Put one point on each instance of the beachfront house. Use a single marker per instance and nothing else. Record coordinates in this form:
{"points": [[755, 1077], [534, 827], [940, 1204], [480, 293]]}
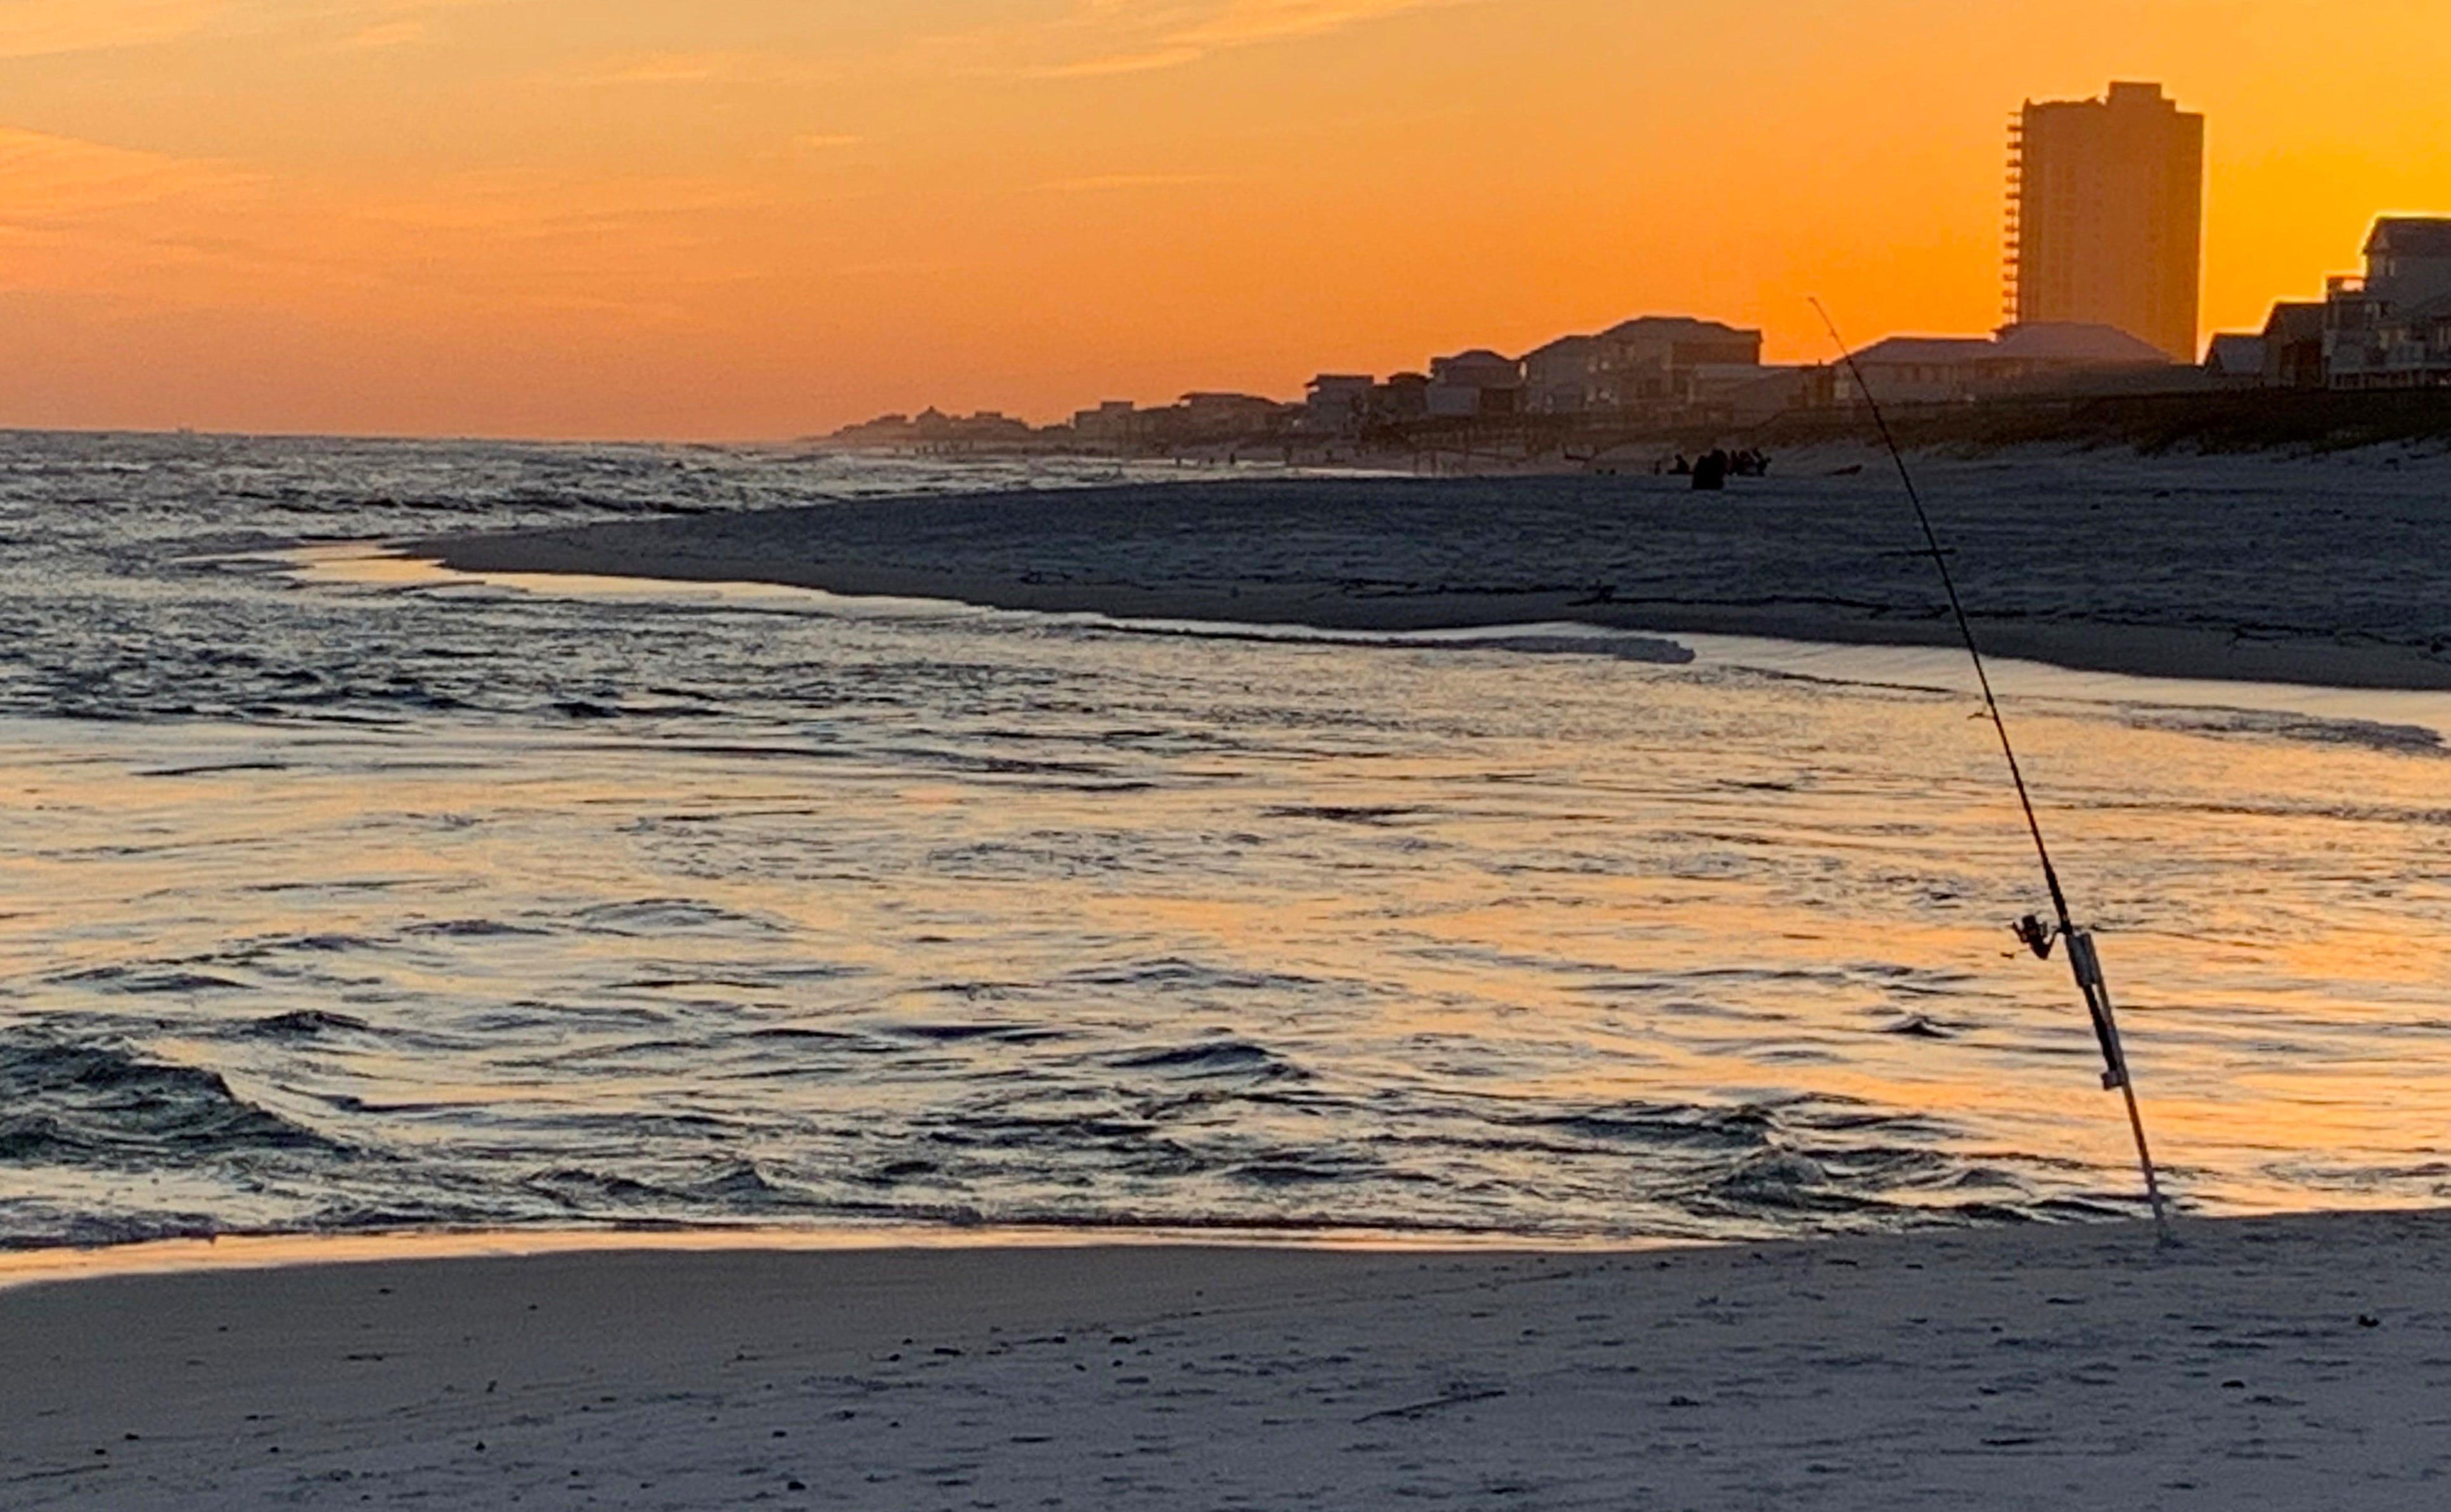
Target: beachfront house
{"points": [[1748, 395], [1474, 384], [2293, 345], [2392, 328], [933, 429], [1557, 378], [1959, 369], [1116, 423], [1650, 363], [1916, 370], [1337, 404], [2235, 358], [2287, 353], [1227, 417], [1402, 397]]}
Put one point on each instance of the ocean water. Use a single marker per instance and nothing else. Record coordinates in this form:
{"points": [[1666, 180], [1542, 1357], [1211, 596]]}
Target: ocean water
{"points": [[340, 894]]}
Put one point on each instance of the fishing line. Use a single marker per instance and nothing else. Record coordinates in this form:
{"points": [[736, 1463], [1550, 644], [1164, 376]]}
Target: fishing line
{"points": [[2083, 960]]}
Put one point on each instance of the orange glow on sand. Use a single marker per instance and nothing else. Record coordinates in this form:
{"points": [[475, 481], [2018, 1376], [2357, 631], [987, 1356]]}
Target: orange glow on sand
{"points": [[273, 1252], [645, 218]]}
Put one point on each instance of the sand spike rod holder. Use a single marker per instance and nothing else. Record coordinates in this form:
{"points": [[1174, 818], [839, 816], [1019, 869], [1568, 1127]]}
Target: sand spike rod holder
{"points": [[2039, 937]]}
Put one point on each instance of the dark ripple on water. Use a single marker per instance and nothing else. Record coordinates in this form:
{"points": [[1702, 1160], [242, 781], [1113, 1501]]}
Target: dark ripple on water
{"points": [[102, 1106], [1198, 1134], [1217, 1130]]}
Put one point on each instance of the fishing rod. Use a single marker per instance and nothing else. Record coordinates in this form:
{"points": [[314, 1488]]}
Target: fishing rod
{"points": [[2084, 962]]}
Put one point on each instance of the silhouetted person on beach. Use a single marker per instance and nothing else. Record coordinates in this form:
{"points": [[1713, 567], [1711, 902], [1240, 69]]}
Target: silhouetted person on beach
{"points": [[1711, 473]]}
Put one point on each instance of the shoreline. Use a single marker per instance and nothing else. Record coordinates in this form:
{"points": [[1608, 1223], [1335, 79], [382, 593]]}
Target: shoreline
{"points": [[215, 1254], [2250, 584], [2277, 1361], [2122, 650]]}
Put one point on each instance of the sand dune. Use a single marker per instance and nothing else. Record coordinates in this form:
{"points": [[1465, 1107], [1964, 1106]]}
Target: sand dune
{"points": [[2267, 1364], [2312, 571]]}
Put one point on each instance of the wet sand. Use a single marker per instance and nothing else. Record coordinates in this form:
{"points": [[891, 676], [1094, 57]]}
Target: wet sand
{"points": [[2309, 571], [2266, 1363]]}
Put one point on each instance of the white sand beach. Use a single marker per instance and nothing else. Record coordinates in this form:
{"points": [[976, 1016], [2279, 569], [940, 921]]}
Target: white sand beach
{"points": [[2292, 1362]]}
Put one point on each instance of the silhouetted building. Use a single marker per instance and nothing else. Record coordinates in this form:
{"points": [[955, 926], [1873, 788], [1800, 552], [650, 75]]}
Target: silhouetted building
{"points": [[2392, 328], [1475, 383], [1116, 423], [1748, 395], [1916, 370], [1557, 378], [2293, 346], [1747, 392], [1955, 369], [2107, 220], [987, 427], [2235, 358], [2287, 353], [1650, 363], [1403, 397], [1337, 404], [1226, 415], [934, 428]]}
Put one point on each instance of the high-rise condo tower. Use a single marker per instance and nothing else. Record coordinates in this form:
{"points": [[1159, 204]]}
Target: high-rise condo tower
{"points": [[2105, 218]]}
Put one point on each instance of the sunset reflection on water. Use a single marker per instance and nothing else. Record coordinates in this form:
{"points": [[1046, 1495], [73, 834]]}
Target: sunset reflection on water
{"points": [[993, 919]]}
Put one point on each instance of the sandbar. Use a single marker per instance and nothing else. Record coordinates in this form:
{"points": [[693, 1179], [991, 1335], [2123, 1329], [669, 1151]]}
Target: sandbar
{"points": [[2307, 571]]}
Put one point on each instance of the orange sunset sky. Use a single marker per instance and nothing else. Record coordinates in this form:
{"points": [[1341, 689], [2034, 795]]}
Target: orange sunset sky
{"points": [[763, 218]]}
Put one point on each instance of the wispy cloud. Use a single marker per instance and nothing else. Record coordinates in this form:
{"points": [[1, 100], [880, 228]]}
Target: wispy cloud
{"points": [[1101, 37], [48, 180], [1105, 182], [525, 204], [664, 67], [1246, 21], [900, 268], [150, 230], [648, 68], [31, 29], [1106, 63], [88, 219], [384, 34], [45, 27]]}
